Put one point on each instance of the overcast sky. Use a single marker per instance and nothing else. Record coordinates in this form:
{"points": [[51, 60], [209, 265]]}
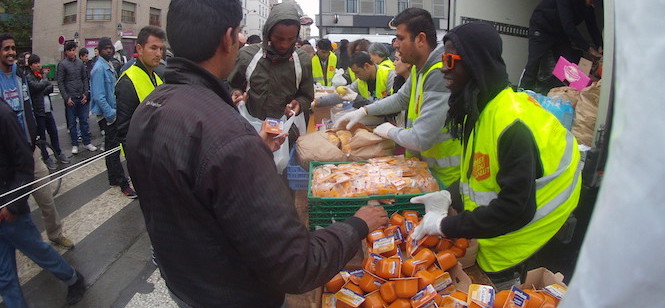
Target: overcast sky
{"points": [[311, 8]]}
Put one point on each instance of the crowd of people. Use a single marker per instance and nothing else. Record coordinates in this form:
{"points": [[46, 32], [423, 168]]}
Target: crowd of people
{"points": [[220, 218]]}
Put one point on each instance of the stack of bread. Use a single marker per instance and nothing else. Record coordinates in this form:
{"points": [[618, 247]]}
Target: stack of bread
{"points": [[391, 175]]}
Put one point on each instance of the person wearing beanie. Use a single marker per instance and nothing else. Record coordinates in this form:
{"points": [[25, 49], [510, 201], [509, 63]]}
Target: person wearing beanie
{"points": [[520, 175], [103, 77]]}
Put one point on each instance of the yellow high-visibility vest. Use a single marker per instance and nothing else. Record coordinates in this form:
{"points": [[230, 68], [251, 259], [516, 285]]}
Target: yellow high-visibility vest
{"points": [[443, 158], [557, 191], [317, 71], [142, 83], [381, 84], [388, 63]]}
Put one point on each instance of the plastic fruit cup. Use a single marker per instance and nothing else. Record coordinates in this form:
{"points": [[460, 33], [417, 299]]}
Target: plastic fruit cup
{"points": [[354, 288], [447, 260], [406, 287], [400, 303], [396, 219], [335, 284], [458, 252], [373, 236], [425, 278], [431, 241], [388, 268], [370, 283], [427, 257], [444, 244], [374, 300], [388, 291]]}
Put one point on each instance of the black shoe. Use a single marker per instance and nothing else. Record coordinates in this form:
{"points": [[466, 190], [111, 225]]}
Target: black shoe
{"points": [[51, 164], [75, 292], [129, 192]]}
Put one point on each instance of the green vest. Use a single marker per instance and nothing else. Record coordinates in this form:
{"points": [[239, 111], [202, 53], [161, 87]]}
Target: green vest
{"points": [[442, 158], [381, 84], [352, 75], [557, 192], [388, 63], [142, 83], [317, 71]]}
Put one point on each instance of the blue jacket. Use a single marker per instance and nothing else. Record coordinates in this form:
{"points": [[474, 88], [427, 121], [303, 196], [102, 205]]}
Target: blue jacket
{"points": [[102, 88]]}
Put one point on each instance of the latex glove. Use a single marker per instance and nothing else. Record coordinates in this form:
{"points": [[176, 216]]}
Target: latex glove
{"points": [[382, 130], [353, 117], [436, 202], [350, 95], [430, 225]]}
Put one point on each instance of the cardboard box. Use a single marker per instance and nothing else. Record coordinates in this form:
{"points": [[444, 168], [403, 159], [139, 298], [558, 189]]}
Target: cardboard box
{"points": [[461, 280], [541, 277]]}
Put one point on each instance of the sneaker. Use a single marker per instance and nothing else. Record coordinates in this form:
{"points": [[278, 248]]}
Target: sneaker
{"points": [[129, 192], [102, 147], [63, 159], [75, 150], [75, 292], [103, 132], [51, 163], [63, 241], [90, 147]]}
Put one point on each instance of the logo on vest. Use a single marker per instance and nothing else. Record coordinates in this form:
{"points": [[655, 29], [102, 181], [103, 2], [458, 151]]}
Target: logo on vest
{"points": [[331, 68], [481, 166]]}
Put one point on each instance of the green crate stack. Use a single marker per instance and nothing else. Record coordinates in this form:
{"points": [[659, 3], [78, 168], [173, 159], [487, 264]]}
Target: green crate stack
{"points": [[325, 211]]}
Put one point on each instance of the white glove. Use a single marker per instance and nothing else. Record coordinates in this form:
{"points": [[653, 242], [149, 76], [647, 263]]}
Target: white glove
{"points": [[430, 225], [349, 96], [353, 117], [436, 209], [436, 202], [383, 130]]}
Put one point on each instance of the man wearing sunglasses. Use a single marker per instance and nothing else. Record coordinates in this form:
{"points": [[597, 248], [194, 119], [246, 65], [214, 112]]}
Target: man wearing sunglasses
{"points": [[424, 96], [520, 175]]}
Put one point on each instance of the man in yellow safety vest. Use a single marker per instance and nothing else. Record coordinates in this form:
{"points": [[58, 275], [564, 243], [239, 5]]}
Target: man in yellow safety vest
{"points": [[424, 95], [324, 63], [520, 173]]}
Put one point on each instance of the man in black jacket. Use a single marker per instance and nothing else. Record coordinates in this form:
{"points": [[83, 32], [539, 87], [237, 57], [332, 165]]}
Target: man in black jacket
{"points": [[139, 79], [223, 224], [553, 33], [40, 88], [17, 231]]}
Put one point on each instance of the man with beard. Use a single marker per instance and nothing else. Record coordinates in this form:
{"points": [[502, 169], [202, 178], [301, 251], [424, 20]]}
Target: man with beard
{"points": [[103, 77], [520, 175], [425, 97], [276, 75]]}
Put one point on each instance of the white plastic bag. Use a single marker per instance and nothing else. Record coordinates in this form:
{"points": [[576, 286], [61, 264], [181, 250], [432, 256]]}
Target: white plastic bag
{"points": [[338, 79], [281, 156]]}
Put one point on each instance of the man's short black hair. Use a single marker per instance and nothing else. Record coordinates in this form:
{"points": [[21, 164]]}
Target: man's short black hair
{"points": [[417, 20], [83, 51], [360, 58], [324, 44], [253, 39], [147, 31], [21, 58], [70, 45], [34, 59], [6, 36], [196, 27]]}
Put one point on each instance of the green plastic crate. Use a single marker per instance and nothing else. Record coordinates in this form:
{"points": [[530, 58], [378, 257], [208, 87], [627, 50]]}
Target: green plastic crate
{"points": [[324, 211]]}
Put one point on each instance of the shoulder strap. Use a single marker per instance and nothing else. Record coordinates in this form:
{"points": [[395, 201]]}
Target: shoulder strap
{"points": [[255, 60]]}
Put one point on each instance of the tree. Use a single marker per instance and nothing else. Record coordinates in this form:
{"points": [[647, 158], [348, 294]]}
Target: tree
{"points": [[17, 20]]}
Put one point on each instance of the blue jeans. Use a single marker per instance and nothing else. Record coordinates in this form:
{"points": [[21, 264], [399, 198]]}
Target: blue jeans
{"points": [[22, 234], [78, 111], [47, 124]]}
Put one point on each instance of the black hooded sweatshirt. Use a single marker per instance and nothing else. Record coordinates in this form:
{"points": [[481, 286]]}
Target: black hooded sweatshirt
{"points": [[480, 47]]}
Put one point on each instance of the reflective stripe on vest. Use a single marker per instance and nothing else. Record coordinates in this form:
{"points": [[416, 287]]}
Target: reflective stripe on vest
{"points": [[142, 83], [388, 63], [317, 70], [443, 158], [381, 84], [557, 192]]}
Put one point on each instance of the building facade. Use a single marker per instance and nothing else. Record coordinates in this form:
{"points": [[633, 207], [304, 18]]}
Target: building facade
{"points": [[255, 14], [86, 21], [372, 16]]}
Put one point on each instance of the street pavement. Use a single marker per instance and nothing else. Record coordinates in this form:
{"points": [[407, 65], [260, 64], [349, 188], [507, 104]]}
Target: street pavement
{"points": [[112, 246]]}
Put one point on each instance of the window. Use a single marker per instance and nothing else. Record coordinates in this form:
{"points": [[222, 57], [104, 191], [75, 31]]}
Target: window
{"points": [[98, 10], [352, 6], [128, 12], [70, 13], [402, 5], [380, 7], [155, 17]]}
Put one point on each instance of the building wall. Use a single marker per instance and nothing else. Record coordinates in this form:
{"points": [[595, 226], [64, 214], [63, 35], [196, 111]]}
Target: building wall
{"points": [[334, 18], [255, 14], [48, 26]]}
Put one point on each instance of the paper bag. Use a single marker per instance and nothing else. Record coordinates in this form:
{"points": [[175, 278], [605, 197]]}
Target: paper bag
{"points": [[316, 147], [585, 114]]}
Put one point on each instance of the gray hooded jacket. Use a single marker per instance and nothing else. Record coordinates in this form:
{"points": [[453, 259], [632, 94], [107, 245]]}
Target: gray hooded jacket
{"points": [[273, 82]]}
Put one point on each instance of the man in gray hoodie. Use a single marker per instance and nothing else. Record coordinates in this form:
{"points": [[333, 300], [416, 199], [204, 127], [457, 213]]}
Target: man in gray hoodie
{"points": [[280, 74], [424, 95]]}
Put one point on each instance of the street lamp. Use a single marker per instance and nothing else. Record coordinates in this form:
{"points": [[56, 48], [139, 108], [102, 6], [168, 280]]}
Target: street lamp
{"points": [[76, 37], [119, 27]]}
